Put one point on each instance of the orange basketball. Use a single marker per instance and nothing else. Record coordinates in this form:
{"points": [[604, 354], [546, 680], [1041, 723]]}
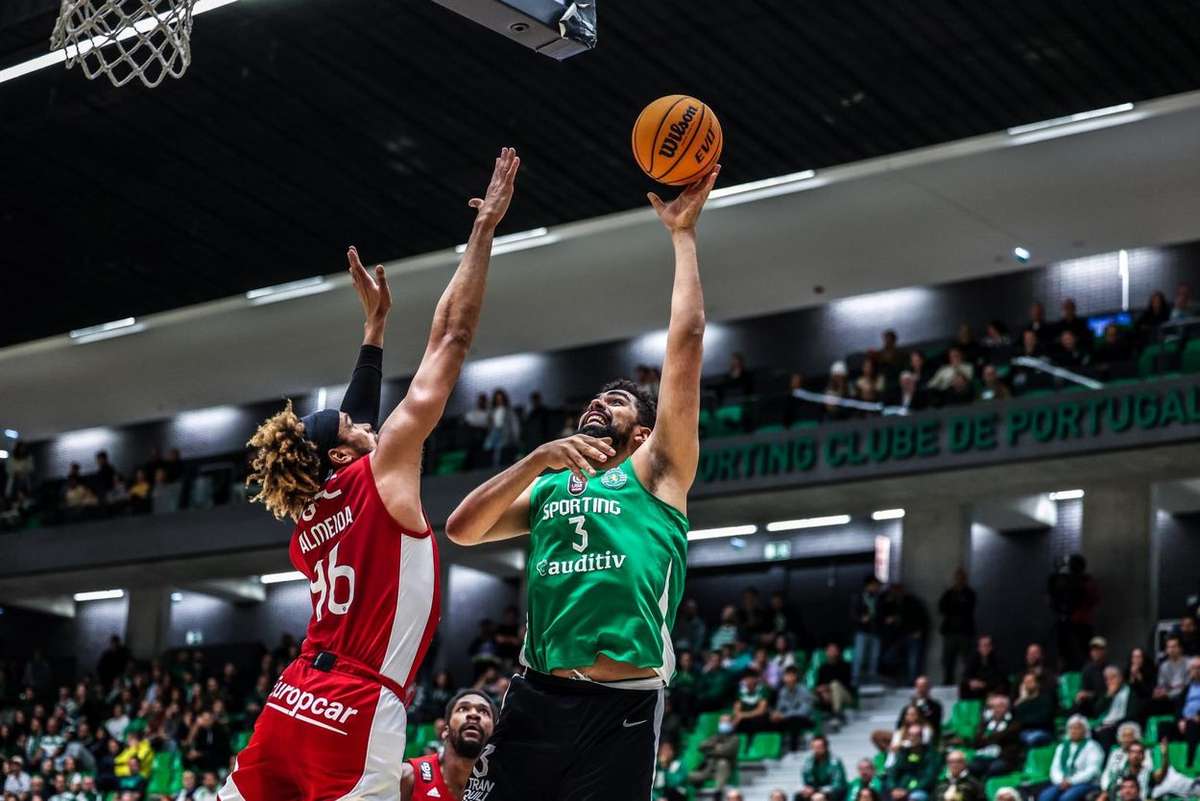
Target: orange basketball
{"points": [[677, 140]]}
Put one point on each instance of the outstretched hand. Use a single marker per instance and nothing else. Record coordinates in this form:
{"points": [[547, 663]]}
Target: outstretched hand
{"points": [[373, 292], [682, 213], [493, 205]]}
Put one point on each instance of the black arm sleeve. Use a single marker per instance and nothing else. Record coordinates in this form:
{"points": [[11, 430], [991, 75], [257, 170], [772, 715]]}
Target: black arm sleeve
{"points": [[361, 400]]}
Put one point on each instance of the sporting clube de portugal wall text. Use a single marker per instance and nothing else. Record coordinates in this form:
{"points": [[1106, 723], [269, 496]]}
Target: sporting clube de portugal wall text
{"points": [[1062, 424]]}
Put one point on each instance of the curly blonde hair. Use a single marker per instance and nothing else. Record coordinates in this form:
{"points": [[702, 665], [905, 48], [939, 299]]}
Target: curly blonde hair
{"points": [[286, 467]]}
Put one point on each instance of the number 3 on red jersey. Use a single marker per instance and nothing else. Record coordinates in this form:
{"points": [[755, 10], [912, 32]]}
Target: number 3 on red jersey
{"points": [[327, 590]]}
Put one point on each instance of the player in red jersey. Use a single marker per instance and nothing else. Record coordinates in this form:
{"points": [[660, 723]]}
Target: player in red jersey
{"points": [[451, 775], [333, 726]]}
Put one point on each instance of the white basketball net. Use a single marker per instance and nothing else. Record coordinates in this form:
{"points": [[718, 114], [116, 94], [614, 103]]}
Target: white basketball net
{"points": [[126, 39]]}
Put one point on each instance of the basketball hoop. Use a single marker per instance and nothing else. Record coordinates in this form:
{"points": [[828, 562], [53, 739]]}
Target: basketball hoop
{"points": [[126, 39]]}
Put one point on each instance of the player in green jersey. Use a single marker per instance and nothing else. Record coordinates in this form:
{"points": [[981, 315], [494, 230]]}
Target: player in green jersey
{"points": [[606, 511]]}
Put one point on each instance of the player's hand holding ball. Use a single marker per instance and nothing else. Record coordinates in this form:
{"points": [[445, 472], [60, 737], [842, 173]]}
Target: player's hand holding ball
{"points": [[682, 212], [677, 140]]}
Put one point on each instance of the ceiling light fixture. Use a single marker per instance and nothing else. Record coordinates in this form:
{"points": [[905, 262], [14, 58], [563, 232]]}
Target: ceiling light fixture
{"points": [[725, 531], [99, 595], [768, 187], [522, 240], [279, 578], [1021, 253], [1075, 123], [1066, 495], [116, 328], [887, 514], [288, 291], [808, 522], [59, 56]]}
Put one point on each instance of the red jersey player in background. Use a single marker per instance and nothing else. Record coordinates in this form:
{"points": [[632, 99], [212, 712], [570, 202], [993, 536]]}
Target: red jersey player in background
{"points": [[332, 728], [451, 775]]}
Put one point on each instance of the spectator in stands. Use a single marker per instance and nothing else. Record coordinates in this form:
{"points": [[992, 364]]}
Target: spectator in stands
{"points": [[1076, 765], [1155, 314], [105, 479], [1133, 768], [712, 684], [737, 382], [734, 795], [1183, 307], [173, 466], [508, 636], [504, 430], [477, 417], [793, 712], [964, 340], [139, 492], [956, 366], [959, 784], [904, 625], [1074, 597], [890, 743], [1093, 683], [1035, 663], [752, 618], [957, 608], [1072, 322], [1114, 347], [1128, 736], [911, 776], [1070, 353], [1034, 711], [117, 723], [207, 744], [727, 632], [1172, 679], [720, 755], [997, 744], [690, 631], [113, 661], [866, 779], [752, 705], [208, 787], [996, 343], [1142, 676], [16, 780], [539, 422], [962, 391], [778, 624], [1188, 726], [670, 779], [795, 407], [1043, 332], [777, 795], [1032, 347], [20, 468], [866, 621], [871, 383], [780, 659], [78, 496], [889, 358], [1112, 708], [188, 791], [839, 387], [983, 673], [1189, 638], [821, 772], [912, 397], [132, 786], [920, 367], [993, 387]]}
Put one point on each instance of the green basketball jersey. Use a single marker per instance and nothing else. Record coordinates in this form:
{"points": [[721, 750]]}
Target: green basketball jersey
{"points": [[605, 573]]}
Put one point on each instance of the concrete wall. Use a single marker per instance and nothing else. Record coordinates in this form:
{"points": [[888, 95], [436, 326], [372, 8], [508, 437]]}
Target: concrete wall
{"points": [[471, 595], [95, 623], [1178, 558]]}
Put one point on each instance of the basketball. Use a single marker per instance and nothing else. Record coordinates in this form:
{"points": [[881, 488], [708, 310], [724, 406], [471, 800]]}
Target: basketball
{"points": [[677, 139]]}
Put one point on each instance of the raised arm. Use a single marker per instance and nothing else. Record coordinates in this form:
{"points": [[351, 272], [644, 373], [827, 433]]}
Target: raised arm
{"points": [[498, 509], [361, 400], [670, 455], [454, 322]]}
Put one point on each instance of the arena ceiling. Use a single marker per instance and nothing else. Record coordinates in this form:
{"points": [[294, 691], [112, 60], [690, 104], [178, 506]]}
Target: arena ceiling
{"points": [[305, 125]]}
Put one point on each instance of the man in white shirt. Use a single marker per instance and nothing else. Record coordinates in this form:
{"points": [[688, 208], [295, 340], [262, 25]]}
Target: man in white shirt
{"points": [[1172, 679], [16, 780]]}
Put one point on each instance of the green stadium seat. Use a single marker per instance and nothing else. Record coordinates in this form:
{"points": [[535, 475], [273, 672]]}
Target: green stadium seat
{"points": [[161, 775], [730, 417], [996, 782], [450, 462], [743, 747], [1177, 753], [1152, 728], [765, 745], [800, 425], [1191, 357], [1037, 765], [1069, 684], [240, 741], [964, 719], [770, 428], [880, 760]]}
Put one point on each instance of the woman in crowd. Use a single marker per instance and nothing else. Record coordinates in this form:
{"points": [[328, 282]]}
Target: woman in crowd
{"points": [[1155, 314], [1128, 735], [1141, 675], [504, 429], [891, 744], [1076, 766]]}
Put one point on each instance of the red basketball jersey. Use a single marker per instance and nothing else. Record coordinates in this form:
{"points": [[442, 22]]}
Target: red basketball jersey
{"points": [[427, 780], [374, 584]]}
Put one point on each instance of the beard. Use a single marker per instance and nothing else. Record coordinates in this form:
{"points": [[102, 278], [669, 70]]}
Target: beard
{"points": [[606, 430], [470, 749]]}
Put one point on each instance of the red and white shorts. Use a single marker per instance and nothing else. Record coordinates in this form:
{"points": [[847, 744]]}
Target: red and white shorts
{"points": [[322, 736]]}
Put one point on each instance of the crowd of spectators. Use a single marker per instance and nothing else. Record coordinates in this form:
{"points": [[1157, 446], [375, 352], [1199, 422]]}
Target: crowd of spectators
{"points": [[120, 731]]}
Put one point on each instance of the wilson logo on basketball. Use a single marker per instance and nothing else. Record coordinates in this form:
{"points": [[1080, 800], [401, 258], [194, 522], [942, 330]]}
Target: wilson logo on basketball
{"points": [[676, 133]]}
